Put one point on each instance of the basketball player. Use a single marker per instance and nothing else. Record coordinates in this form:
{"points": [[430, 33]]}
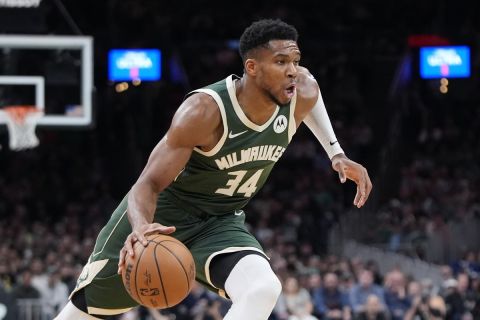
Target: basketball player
{"points": [[218, 152]]}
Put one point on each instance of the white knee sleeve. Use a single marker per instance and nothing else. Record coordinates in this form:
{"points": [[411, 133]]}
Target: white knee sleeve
{"points": [[253, 288], [70, 312]]}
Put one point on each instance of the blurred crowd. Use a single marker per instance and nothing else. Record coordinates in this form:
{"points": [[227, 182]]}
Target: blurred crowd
{"points": [[41, 261], [332, 288], [53, 206], [435, 214]]}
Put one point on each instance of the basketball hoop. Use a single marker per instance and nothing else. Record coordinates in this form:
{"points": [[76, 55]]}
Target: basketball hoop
{"points": [[21, 124]]}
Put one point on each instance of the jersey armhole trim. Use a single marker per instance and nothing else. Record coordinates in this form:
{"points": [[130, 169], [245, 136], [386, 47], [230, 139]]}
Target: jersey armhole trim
{"points": [[292, 124], [221, 107]]}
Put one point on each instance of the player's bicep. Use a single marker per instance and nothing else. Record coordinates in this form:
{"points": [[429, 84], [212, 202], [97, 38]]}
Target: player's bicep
{"points": [[165, 163], [193, 125]]}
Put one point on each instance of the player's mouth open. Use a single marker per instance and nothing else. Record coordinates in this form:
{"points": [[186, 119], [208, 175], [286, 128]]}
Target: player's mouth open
{"points": [[290, 91]]}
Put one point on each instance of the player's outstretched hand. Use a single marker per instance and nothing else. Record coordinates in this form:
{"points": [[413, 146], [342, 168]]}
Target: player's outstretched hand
{"points": [[348, 169], [139, 235]]}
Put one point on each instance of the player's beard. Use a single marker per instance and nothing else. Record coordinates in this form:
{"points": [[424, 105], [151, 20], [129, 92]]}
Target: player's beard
{"points": [[275, 100]]}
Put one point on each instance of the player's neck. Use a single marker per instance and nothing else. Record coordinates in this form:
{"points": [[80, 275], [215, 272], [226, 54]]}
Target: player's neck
{"points": [[255, 104]]}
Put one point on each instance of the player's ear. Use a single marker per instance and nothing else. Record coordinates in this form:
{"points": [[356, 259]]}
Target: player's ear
{"points": [[251, 67]]}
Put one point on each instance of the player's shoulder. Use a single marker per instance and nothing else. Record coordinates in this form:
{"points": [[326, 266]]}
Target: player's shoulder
{"points": [[307, 87], [200, 105], [195, 120], [199, 99]]}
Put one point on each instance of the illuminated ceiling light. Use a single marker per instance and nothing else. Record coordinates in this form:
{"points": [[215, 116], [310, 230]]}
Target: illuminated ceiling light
{"points": [[121, 87]]}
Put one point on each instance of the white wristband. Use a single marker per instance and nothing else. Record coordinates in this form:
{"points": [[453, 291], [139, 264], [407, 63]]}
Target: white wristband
{"points": [[319, 123]]}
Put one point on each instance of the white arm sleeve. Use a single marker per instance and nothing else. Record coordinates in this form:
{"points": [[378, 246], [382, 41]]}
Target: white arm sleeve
{"points": [[319, 123]]}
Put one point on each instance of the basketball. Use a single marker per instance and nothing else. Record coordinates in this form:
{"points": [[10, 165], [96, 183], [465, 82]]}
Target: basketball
{"points": [[161, 274]]}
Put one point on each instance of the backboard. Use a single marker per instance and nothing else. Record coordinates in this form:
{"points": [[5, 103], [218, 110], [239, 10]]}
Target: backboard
{"points": [[54, 73]]}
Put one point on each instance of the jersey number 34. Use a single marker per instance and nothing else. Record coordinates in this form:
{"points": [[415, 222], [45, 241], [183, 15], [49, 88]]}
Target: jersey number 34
{"points": [[236, 184]]}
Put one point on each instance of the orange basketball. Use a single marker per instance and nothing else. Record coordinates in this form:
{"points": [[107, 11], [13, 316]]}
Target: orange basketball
{"points": [[161, 274]]}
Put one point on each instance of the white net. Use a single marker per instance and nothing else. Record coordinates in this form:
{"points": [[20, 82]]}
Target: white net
{"points": [[21, 124]]}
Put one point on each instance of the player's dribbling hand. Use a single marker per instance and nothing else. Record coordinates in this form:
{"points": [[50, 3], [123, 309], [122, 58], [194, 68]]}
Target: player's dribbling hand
{"points": [[139, 234], [348, 169]]}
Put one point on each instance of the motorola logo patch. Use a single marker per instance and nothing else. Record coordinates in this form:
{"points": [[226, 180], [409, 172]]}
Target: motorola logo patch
{"points": [[280, 124]]}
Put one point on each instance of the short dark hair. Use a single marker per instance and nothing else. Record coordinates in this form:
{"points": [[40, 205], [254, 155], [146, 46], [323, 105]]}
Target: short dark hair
{"points": [[262, 31]]}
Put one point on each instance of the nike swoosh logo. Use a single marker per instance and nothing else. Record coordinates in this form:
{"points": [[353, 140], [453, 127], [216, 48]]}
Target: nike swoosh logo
{"points": [[238, 212], [234, 135], [332, 143], [82, 278]]}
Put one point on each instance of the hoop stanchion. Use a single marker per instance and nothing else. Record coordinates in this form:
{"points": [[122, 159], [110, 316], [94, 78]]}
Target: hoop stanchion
{"points": [[21, 124]]}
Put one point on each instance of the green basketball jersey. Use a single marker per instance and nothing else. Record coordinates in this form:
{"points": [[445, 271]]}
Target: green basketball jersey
{"points": [[225, 178]]}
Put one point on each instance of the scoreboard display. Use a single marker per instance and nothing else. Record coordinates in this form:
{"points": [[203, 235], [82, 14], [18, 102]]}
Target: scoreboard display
{"points": [[134, 64], [445, 62]]}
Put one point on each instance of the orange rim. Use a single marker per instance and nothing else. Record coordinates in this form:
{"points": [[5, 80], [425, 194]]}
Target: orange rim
{"points": [[20, 112]]}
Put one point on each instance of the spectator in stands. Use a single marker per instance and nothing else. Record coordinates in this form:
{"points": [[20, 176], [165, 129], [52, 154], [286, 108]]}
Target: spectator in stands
{"points": [[194, 305], [396, 297], [314, 284], [357, 265], [467, 264], [469, 297], [372, 310], [39, 276], [460, 300], [373, 266], [212, 311], [330, 303], [8, 308], [429, 288], [416, 295], [475, 287], [452, 299], [344, 268], [414, 290], [24, 289], [6, 278], [361, 291], [55, 295], [428, 308], [294, 302], [347, 282], [446, 272]]}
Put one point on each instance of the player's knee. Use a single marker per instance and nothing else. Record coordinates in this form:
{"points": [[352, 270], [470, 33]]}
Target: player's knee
{"points": [[267, 290], [252, 280]]}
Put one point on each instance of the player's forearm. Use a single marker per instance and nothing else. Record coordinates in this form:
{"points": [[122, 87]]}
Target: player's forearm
{"points": [[164, 164], [142, 200], [319, 123]]}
